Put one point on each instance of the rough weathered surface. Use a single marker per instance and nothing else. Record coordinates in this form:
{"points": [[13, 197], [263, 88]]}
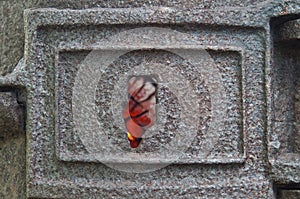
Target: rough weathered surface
{"points": [[12, 116], [290, 30], [13, 167], [11, 34], [67, 30], [284, 118], [236, 35], [12, 20], [12, 147], [289, 194]]}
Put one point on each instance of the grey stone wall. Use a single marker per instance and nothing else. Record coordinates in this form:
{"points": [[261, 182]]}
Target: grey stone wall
{"points": [[12, 20], [253, 149], [12, 147]]}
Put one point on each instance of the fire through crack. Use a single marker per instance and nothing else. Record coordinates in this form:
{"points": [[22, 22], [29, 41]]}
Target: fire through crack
{"points": [[140, 112]]}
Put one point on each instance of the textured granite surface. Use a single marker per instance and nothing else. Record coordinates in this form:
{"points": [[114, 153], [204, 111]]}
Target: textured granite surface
{"points": [[12, 147], [290, 30], [289, 194], [12, 20], [60, 166], [11, 115], [284, 134]]}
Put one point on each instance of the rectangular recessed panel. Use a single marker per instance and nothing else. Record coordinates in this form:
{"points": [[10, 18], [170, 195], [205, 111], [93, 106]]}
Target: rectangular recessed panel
{"points": [[210, 103], [212, 141]]}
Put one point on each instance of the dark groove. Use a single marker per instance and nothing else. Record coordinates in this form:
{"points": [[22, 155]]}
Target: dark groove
{"points": [[141, 114]]}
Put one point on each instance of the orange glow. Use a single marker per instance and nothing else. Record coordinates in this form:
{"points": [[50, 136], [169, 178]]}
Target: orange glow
{"points": [[130, 137], [134, 142]]}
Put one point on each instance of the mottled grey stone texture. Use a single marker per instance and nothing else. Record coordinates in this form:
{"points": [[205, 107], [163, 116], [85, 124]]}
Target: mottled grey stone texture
{"points": [[12, 21], [11, 115], [289, 194], [12, 147], [13, 169], [11, 33], [260, 80], [284, 131], [290, 30]]}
